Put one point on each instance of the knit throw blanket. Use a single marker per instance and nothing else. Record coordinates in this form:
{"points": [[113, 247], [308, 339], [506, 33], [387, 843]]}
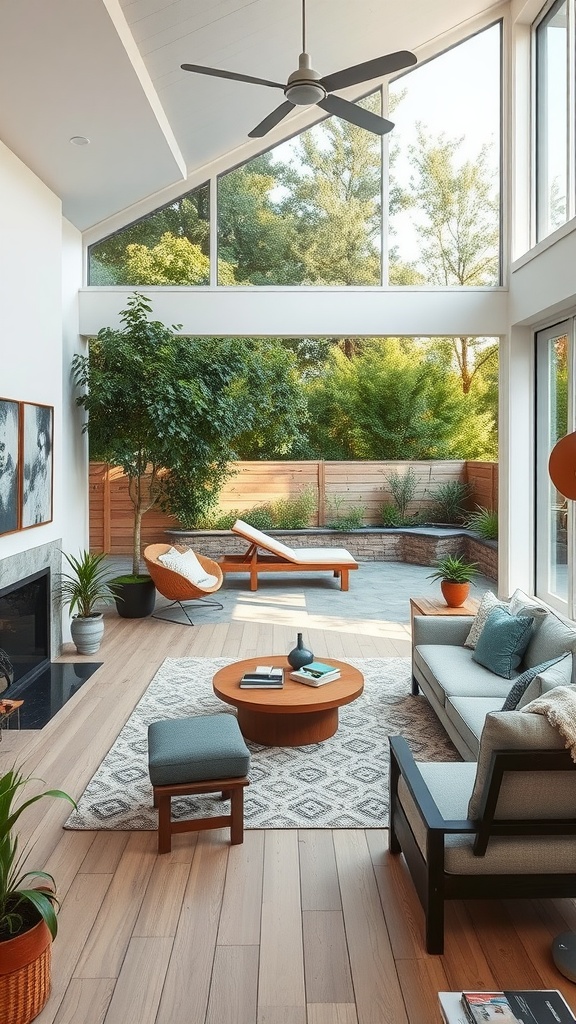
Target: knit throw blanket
{"points": [[559, 707]]}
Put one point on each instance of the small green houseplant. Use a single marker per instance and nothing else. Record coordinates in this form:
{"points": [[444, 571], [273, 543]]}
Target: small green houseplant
{"points": [[455, 575], [82, 588], [28, 921]]}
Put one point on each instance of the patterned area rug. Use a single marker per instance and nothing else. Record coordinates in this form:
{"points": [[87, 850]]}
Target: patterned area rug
{"points": [[340, 783]]}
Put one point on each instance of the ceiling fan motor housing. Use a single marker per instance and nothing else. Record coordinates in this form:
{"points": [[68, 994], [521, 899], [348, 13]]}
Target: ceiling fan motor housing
{"points": [[303, 87]]}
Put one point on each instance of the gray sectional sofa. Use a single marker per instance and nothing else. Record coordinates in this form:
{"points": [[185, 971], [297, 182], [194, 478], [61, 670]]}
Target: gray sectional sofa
{"points": [[461, 691]]}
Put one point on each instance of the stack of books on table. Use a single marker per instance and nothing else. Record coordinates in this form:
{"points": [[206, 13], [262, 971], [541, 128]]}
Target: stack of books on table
{"points": [[315, 674], [530, 1006], [263, 677]]}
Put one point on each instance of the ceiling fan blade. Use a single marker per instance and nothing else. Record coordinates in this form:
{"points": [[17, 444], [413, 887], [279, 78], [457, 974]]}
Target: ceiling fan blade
{"points": [[370, 69], [272, 120], [230, 74], [357, 115]]}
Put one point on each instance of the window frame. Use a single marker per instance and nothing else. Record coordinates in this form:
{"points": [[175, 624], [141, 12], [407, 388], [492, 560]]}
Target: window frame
{"points": [[539, 138], [544, 567]]}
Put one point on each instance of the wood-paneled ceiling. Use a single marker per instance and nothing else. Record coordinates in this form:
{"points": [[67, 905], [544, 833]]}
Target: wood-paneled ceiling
{"points": [[109, 70]]}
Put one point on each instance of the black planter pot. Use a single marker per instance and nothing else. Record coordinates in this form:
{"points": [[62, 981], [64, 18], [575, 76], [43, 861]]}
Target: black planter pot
{"points": [[135, 599]]}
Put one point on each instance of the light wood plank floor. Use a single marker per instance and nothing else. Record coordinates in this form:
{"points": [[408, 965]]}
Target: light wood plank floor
{"points": [[292, 927]]}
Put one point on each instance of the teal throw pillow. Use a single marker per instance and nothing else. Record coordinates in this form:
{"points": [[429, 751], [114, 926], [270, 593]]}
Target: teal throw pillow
{"points": [[522, 682], [503, 641]]}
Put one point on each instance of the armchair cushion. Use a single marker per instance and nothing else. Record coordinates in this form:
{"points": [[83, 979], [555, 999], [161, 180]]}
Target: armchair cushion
{"points": [[449, 786], [503, 641], [527, 795]]}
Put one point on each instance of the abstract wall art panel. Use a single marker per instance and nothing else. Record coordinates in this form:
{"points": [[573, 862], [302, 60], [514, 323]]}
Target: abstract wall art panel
{"points": [[9, 465], [37, 441]]}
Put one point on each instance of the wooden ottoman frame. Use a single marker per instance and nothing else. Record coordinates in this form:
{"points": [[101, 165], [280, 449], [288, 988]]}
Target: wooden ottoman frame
{"points": [[232, 789]]}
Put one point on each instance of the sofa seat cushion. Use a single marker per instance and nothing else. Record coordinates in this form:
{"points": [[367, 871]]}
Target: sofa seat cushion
{"points": [[468, 714], [451, 671], [450, 786]]}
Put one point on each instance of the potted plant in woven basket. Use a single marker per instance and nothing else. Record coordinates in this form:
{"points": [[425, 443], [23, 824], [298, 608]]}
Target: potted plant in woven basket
{"points": [[455, 575], [28, 921]]}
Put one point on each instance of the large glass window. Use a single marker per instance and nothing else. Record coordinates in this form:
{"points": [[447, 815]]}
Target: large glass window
{"points": [[169, 246], [552, 89], [308, 212], [554, 356], [444, 200]]}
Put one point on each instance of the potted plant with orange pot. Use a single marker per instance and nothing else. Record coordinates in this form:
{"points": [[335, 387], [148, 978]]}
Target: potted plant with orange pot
{"points": [[28, 921], [456, 576]]}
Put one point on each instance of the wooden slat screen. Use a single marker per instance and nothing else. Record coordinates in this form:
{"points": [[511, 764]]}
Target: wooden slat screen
{"points": [[255, 483]]}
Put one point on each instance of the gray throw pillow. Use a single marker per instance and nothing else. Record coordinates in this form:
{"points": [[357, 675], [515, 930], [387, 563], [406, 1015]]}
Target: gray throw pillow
{"points": [[559, 674], [503, 641], [522, 682]]}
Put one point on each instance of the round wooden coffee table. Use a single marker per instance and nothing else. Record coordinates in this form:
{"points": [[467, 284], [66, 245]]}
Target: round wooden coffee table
{"points": [[293, 716]]}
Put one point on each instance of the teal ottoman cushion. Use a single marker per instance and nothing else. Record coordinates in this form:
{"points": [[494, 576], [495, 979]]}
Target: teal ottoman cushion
{"points": [[194, 749]]}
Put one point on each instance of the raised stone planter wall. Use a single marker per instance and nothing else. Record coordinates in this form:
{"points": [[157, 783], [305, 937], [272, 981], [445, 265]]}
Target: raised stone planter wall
{"points": [[418, 546]]}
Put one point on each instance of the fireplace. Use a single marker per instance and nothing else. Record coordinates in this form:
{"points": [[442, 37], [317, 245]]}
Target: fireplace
{"points": [[24, 624], [25, 651]]}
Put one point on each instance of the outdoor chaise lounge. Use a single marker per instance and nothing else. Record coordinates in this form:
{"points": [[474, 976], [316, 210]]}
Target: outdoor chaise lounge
{"points": [[280, 558]]}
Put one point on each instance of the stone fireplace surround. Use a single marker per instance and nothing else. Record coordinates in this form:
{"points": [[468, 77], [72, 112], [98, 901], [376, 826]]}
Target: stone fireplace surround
{"points": [[17, 567]]}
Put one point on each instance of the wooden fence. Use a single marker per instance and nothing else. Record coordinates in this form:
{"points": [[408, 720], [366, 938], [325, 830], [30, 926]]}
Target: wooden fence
{"points": [[341, 485]]}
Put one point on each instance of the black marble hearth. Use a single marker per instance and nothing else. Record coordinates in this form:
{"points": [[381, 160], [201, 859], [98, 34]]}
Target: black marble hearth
{"points": [[47, 692]]}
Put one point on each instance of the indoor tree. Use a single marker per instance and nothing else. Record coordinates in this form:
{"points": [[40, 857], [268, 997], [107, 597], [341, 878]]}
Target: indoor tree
{"points": [[167, 409]]}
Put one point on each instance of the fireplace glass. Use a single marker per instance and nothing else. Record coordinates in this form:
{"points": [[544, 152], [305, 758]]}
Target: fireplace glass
{"points": [[44, 686]]}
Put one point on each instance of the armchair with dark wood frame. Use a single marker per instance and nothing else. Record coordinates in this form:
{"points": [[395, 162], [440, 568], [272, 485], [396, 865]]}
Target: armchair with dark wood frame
{"points": [[522, 850]]}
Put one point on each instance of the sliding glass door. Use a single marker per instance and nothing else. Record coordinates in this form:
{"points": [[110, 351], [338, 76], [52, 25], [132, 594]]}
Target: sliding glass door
{"points": [[554, 419]]}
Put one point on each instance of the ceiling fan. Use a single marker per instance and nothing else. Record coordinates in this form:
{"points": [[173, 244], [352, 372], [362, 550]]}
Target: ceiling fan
{"points": [[306, 87]]}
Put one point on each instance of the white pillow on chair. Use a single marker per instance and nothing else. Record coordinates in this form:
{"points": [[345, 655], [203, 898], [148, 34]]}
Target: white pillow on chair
{"points": [[187, 564]]}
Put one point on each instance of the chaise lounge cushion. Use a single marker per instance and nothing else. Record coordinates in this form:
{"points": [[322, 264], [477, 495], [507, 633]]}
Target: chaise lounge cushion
{"points": [[296, 555]]}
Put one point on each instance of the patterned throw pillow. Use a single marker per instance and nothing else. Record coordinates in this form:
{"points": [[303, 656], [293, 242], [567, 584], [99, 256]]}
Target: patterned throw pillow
{"points": [[503, 641], [487, 604], [522, 682]]}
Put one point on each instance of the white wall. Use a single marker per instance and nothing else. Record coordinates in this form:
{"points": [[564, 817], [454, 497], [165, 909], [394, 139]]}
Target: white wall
{"points": [[543, 283], [40, 272]]}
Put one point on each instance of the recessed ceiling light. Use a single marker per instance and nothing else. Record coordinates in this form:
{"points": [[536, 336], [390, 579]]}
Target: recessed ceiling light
{"points": [[80, 140]]}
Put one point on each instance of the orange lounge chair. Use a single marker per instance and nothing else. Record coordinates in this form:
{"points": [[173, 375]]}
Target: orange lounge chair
{"points": [[280, 558]]}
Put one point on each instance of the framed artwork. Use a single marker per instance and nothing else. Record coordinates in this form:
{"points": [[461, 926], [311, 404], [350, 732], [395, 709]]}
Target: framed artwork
{"points": [[37, 458], [9, 465]]}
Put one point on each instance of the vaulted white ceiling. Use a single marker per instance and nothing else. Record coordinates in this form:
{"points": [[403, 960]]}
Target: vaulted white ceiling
{"points": [[109, 70]]}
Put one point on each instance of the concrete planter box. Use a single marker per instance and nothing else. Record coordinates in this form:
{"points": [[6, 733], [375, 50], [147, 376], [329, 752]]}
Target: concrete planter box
{"points": [[421, 545]]}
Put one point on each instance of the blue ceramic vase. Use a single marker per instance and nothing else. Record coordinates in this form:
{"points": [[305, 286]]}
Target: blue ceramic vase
{"points": [[300, 655]]}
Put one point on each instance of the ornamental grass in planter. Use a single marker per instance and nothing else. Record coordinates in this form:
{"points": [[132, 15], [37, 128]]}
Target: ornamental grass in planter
{"points": [[28, 921]]}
